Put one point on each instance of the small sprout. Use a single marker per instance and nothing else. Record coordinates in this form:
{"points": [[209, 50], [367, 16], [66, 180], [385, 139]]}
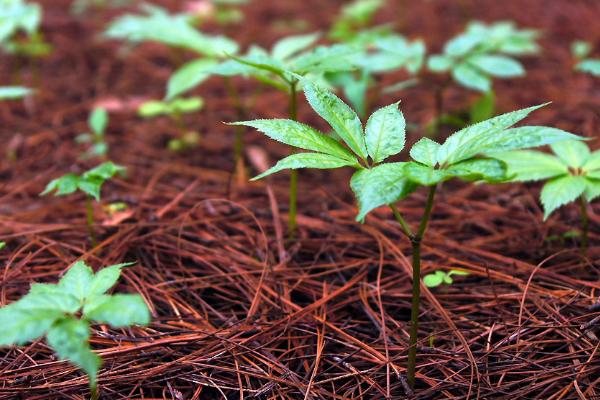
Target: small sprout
{"points": [[2, 245], [572, 173], [442, 277], [378, 183], [353, 18], [97, 121], [18, 16], [581, 51], [63, 313], [175, 109], [90, 183], [483, 52]]}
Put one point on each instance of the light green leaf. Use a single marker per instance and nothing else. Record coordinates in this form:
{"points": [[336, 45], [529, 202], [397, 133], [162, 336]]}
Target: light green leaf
{"points": [[104, 171], [581, 49], [385, 133], [292, 45], [64, 185], [435, 279], [13, 92], [480, 169], [46, 295], [572, 152], [119, 310], [77, 280], [471, 140], [527, 165], [496, 65], [27, 319], [440, 63], [462, 44], [592, 189], [324, 59], [308, 160], [484, 108], [69, 338], [105, 279], [560, 191], [593, 161], [591, 66], [98, 120], [92, 187], [471, 78], [189, 76], [339, 115], [152, 108], [425, 175], [378, 186], [299, 135], [425, 151]]}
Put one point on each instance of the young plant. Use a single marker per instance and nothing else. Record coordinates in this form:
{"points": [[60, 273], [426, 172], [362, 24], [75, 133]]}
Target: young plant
{"points": [[377, 183], [18, 16], [572, 173], [440, 277], [97, 121], [175, 109], [353, 19], [289, 60], [581, 51], [63, 313], [90, 183]]}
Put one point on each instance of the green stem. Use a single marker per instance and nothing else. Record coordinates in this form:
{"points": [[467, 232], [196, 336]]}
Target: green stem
{"points": [[415, 240], [585, 224], [89, 208], [293, 205], [95, 393]]}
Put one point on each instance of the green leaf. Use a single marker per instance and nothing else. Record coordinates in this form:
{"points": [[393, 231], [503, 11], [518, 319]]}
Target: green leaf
{"points": [[64, 185], [435, 279], [13, 92], [458, 272], [581, 49], [425, 151], [483, 136], [572, 152], [105, 279], [189, 76], [385, 133], [27, 319], [119, 310], [98, 120], [324, 59], [462, 44], [592, 189], [484, 108], [69, 338], [77, 280], [292, 45], [440, 63], [495, 65], [471, 78], [308, 160], [339, 115], [593, 161], [104, 171], [92, 187], [382, 185], [46, 295], [153, 108], [560, 191], [591, 66], [480, 169], [298, 135], [527, 165], [425, 175]]}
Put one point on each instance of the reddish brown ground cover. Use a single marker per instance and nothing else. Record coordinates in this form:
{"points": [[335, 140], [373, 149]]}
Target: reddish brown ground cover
{"points": [[239, 312]]}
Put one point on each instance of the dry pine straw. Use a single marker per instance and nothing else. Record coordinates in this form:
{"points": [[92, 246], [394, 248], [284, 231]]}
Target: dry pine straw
{"points": [[241, 313]]}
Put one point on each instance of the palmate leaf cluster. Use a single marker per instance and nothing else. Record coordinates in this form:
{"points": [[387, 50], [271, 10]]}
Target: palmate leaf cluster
{"points": [[483, 51], [90, 182], [64, 311], [573, 171], [581, 50], [365, 148], [289, 58]]}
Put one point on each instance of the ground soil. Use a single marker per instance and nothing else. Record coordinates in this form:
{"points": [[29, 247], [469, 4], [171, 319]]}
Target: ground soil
{"points": [[241, 313]]}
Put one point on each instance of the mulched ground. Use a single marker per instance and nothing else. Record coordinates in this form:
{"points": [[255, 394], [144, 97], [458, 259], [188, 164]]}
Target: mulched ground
{"points": [[239, 313]]}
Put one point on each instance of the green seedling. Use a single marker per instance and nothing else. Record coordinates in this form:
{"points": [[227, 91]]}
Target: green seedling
{"points": [[283, 67], [581, 51], [64, 312], [354, 18], [13, 92], [175, 109], [442, 277], [97, 121], [16, 17], [2, 245], [378, 183], [90, 183], [572, 173]]}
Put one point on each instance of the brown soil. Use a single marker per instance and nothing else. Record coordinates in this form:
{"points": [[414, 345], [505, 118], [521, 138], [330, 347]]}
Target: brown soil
{"points": [[238, 312]]}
